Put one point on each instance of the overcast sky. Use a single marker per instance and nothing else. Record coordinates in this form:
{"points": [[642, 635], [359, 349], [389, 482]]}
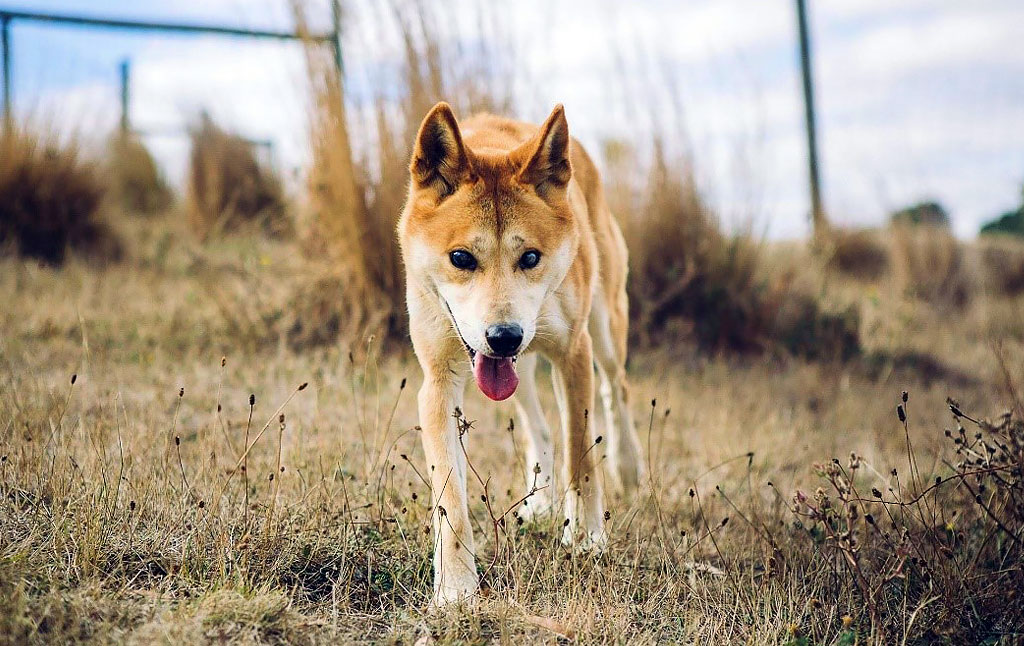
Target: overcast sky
{"points": [[918, 99]]}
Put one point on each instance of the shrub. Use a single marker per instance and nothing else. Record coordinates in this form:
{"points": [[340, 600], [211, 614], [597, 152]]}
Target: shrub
{"points": [[685, 276], [689, 280], [50, 200], [228, 186], [136, 180], [858, 254], [928, 540], [925, 213], [1003, 264], [1010, 223], [929, 264]]}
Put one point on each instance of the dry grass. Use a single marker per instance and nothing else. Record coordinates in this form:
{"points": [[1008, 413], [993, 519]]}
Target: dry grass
{"points": [[51, 196], [136, 181], [228, 186], [124, 518], [360, 173], [1002, 260], [690, 282], [930, 264], [860, 254]]}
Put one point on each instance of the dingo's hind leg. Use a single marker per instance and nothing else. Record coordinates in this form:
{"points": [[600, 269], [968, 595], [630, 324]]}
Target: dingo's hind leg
{"points": [[608, 327]]}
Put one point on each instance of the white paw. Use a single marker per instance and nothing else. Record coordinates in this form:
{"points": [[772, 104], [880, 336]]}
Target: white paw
{"points": [[455, 589], [535, 507], [589, 542]]}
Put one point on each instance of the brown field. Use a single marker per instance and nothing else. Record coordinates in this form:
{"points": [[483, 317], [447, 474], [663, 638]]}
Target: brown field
{"points": [[125, 519]]}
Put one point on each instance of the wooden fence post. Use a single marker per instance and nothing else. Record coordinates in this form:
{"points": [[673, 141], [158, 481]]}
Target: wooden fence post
{"points": [[818, 219]]}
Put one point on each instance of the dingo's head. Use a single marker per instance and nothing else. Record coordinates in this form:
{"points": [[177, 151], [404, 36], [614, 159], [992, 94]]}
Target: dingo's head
{"points": [[490, 232]]}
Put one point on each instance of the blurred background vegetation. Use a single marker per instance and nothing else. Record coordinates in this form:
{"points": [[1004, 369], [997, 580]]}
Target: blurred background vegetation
{"points": [[692, 281]]}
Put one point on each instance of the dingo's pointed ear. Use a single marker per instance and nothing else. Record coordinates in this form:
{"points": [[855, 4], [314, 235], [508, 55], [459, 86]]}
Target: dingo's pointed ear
{"points": [[544, 158], [440, 159]]}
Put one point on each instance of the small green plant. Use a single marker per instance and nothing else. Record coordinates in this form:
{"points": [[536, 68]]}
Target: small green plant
{"points": [[1009, 223]]}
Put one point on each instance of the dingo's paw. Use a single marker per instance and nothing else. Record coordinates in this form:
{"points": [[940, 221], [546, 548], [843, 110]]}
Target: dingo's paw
{"points": [[534, 508], [454, 590], [588, 542]]}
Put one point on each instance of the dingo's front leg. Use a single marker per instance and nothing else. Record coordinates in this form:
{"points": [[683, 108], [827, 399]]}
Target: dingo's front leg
{"points": [[573, 378], [455, 575]]}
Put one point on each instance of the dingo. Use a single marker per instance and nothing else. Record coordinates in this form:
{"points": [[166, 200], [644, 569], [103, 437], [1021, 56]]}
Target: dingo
{"points": [[510, 251]]}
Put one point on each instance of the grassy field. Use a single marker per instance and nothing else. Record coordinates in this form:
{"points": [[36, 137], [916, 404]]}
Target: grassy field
{"points": [[130, 511]]}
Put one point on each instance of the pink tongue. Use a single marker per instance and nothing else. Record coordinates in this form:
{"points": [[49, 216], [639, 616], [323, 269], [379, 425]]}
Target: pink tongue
{"points": [[496, 378]]}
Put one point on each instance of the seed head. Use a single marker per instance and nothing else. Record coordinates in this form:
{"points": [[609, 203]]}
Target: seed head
{"points": [[901, 413], [252, 400], [74, 378]]}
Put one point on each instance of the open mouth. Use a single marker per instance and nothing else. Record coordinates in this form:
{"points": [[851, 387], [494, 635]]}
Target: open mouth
{"points": [[495, 376]]}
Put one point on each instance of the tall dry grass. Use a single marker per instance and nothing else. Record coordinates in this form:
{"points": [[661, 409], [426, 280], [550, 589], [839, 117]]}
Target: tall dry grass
{"points": [[137, 182], [51, 198], [861, 254], [923, 259], [930, 264], [691, 281], [228, 186], [359, 177], [1002, 259]]}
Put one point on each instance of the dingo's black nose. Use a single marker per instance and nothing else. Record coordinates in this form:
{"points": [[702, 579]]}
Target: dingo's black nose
{"points": [[505, 338]]}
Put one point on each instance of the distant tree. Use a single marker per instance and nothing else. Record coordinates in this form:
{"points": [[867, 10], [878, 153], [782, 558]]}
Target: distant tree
{"points": [[923, 213], [1011, 222]]}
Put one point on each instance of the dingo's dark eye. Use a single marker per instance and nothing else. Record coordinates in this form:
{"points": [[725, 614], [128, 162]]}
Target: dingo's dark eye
{"points": [[529, 260], [462, 259]]}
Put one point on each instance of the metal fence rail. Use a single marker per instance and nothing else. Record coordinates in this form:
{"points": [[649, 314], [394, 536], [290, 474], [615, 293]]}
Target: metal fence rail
{"points": [[8, 17]]}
